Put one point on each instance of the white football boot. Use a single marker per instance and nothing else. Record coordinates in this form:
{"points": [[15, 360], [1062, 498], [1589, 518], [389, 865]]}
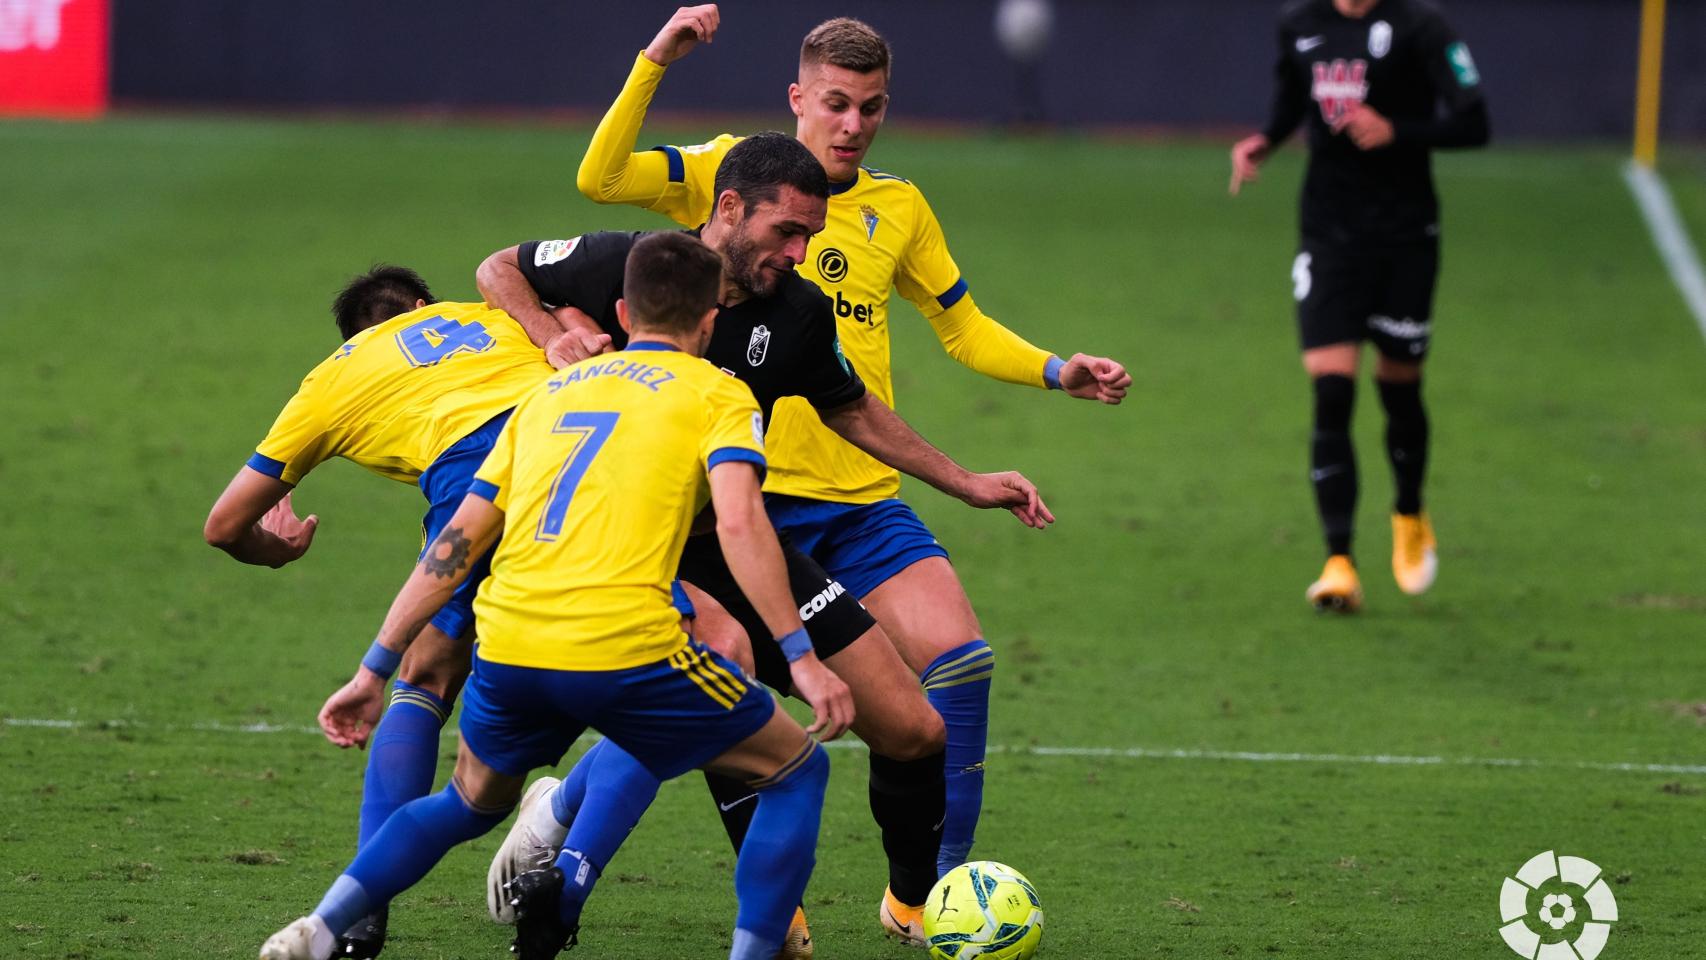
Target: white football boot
{"points": [[532, 844], [307, 938]]}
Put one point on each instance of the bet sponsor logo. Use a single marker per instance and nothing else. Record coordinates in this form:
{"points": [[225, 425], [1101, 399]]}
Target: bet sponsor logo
{"points": [[832, 265]]}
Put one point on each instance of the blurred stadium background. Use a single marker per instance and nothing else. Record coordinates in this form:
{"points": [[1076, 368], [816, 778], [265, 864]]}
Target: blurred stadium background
{"points": [[1190, 762]]}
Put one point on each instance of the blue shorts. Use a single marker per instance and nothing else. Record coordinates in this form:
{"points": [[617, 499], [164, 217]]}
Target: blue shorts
{"points": [[672, 715], [859, 544], [444, 484]]}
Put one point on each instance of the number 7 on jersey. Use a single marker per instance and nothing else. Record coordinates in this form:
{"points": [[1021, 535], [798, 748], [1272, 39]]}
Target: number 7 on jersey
{"points": [[589, 431]]}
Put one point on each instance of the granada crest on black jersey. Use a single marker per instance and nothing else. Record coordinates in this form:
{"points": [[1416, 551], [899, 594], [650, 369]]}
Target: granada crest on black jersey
{"points": [[1379, 39], [759, 345]]}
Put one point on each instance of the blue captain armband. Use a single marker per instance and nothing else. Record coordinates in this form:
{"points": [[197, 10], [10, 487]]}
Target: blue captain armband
{"points": [[795, 645], [1051, 372], [381, 660]]}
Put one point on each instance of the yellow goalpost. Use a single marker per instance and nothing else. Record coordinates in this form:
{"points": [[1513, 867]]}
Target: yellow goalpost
{"points": [[1647, 83]]}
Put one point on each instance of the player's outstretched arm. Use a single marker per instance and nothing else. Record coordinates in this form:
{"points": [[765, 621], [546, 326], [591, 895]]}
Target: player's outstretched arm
{"points": [[869, 424], [254, 522], [349, 715], [755, 558], [565, 334], [611, 171]]}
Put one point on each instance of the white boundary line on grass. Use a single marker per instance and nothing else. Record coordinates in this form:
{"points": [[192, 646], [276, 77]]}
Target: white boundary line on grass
{"points": [[1107, 753], [1670, 236]]}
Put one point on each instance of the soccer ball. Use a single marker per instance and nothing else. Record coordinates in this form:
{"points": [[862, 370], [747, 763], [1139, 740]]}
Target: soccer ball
{"points": [[983, 910]]}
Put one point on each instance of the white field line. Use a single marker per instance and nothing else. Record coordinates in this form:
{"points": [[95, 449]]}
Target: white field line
{"points": [[1671, 237], [1104, 753]]}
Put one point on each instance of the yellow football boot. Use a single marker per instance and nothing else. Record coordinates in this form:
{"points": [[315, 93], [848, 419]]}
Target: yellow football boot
{"points": [[798, 946], [1414, 562], [900, 921], [1338, 589]]}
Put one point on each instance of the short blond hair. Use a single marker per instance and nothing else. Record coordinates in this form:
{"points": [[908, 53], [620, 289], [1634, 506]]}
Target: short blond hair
{"points": [[846, 43]]}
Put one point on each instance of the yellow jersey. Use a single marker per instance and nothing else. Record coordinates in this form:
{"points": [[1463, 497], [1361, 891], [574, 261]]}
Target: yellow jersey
{"points": [[599, 473], [880, 235], [398, 394]]}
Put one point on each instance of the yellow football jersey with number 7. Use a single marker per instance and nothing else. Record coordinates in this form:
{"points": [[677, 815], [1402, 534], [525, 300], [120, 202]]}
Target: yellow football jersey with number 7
{"points": [[599, 473]]}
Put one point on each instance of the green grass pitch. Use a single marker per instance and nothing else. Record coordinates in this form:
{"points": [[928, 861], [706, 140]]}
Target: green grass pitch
{"points": [[166, 285]]}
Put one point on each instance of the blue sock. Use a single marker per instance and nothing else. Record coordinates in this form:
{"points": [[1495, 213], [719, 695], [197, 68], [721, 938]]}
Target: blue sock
{"points": [[571, 793], [400, 854], [403, 757], [780, 850], [957, 685], [615, 791]]}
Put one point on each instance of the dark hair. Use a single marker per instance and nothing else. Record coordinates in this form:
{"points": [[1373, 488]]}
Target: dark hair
{"points": [[376, 296], [670, 281], [757, 168], [846, 43]]}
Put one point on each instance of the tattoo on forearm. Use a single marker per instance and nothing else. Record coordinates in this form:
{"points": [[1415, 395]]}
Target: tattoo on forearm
{"points": [[448, 554]]}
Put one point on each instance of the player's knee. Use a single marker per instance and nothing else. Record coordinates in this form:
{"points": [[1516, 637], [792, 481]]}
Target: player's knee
{"points": [[441, 676], [1335, 396], [922, 734]]}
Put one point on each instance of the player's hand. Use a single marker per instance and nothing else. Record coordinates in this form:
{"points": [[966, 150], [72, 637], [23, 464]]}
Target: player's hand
{"points": [[349, 716], [687, 29], [1366, 127], [297, 534], [830, 700], [1094, 378], [1247, 157], [573, 346], [1010, 490]]}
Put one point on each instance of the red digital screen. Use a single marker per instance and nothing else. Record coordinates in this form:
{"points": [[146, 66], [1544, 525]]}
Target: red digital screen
{"points": [[53, 57]]}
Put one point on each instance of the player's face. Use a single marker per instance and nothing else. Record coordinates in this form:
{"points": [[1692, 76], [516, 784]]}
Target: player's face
{"points": [[838, 114], [771, 239]]}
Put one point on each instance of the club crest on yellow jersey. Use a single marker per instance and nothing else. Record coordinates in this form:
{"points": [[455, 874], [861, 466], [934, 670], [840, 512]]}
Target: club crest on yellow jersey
{"points": [[868, 214]]}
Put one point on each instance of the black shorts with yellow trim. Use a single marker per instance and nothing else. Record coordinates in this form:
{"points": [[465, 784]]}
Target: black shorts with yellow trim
{"points": [[672, 715], [833, 617]]}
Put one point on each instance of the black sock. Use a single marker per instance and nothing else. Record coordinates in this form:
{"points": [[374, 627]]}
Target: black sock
{"points": [[735, 803], [1406, 441], [909, 802], [1332, 461]]}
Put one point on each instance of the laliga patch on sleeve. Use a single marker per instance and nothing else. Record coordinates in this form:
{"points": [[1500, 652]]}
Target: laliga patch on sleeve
{"points": [[551, 251], [1462, 64], [758, 430]]}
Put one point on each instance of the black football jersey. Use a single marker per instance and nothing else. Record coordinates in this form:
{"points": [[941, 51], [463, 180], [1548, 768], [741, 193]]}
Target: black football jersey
{"points": [[1402, 60], [782, 345]]}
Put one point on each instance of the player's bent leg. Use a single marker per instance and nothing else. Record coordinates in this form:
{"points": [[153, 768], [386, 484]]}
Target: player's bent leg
{"points": [[925, 609], [404, 753], [908, 792], [412, 840], [789, 772], [403, 758]]}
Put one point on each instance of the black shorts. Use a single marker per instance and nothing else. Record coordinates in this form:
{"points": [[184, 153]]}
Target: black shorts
{"points": [[833, 617], [1382, 294]]}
